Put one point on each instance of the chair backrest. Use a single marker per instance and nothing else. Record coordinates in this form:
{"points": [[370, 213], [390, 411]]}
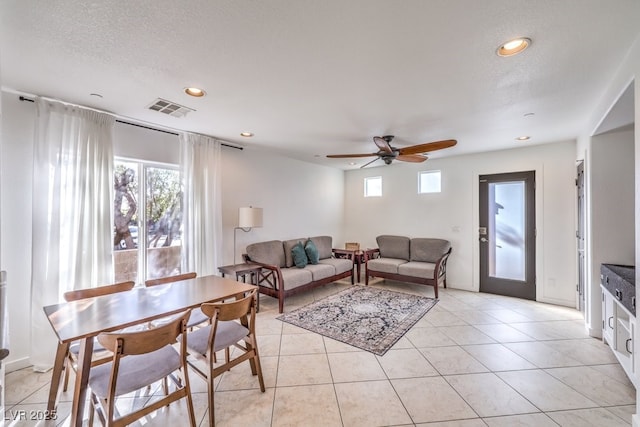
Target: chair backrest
{"points": [[99, 291], [233, 310], [146, 340], [393, 246], [170, 279]]}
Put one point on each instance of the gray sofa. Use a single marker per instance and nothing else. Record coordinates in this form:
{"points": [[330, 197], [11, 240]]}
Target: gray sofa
{"points": [[280, 278], [417, 260]]}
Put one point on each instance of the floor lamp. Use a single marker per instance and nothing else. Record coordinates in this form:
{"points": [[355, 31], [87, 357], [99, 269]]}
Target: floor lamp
{"points": [[248, 218]]}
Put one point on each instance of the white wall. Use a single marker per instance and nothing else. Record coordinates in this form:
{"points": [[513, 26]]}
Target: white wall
{"points": [[17, 170], [453, 214], [138, 143], [627, 72], [612, 207], [299, 199]]}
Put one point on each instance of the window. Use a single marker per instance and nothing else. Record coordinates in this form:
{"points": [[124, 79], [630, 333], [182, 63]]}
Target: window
{"points": [[429, 182], [147, 239], [373, 186]]}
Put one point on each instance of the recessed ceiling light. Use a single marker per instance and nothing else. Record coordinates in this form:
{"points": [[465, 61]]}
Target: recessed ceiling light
{"points": [[530, 114], [514, 46], [352, 163], [246, 134], [97, 95], [523, 138], [194, 91]]}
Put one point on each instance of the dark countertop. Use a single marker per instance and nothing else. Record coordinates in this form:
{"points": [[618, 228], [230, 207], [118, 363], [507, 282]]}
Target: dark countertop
{"points": [[626, 272]]}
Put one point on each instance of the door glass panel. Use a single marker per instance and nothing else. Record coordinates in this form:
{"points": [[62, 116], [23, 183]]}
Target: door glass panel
{"points": [[164, 222], [507, 230], [125, 227]]}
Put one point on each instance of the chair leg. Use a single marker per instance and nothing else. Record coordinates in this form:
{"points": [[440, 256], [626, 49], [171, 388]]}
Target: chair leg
{"points": [[256, 359], [210, 380], [67, 368], [165, 387], [92, 410]]}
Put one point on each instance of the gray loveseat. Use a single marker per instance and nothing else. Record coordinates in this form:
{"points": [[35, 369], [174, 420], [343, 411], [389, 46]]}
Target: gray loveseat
{"points": [[417, 260], [280, 278]]}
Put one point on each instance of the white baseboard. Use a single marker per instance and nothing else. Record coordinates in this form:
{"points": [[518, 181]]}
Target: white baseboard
{"points": [[16, 365], [594, 333]]}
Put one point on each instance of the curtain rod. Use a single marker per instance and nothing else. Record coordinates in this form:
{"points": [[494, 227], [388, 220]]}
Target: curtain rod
{"points": [[24, 98]]}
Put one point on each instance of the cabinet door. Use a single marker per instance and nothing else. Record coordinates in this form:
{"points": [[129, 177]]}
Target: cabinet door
{"points": [[632, 326], [608, 317]]}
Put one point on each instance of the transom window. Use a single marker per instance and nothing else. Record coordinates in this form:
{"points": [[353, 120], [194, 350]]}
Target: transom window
{"points": [[429, 182], [373, 186]]}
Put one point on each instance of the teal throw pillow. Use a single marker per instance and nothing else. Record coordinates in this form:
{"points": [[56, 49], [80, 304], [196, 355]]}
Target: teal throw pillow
{"points": [[299, 255], [312, 252]]}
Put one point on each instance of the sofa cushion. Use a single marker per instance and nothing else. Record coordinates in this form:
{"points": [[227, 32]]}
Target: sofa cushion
{"points": [[270, 252], [321, 271], [324, 245], [294, 277], [312, 252], [300, 259], [417, 269], [428, 250], [288, 245], [385, 265], [393, 247], [340, 265]]}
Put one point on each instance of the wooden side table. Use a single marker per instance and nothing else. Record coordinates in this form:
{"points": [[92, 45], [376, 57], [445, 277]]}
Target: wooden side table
{"points": [[242, 270], [358, 258]]}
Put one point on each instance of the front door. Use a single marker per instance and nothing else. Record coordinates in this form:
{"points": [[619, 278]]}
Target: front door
{"points": [[507, 234]]}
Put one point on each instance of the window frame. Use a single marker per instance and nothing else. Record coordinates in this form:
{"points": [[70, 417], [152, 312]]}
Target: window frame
{"points": [[367, 187], [141, 170], [430, 172]]}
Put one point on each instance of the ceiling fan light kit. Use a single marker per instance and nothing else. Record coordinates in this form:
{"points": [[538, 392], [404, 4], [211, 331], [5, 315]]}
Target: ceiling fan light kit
{"points": [[388, 153]]}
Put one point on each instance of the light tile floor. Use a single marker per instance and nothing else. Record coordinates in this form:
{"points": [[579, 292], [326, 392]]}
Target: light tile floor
{"points": [[473, 360]]}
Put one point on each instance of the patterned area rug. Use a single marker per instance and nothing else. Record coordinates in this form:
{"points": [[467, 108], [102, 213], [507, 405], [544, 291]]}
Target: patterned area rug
{"points": [[368, 318]]}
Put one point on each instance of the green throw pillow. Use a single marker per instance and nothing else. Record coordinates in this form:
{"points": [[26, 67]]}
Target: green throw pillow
{"points": [[299, 255], [312, 252]]}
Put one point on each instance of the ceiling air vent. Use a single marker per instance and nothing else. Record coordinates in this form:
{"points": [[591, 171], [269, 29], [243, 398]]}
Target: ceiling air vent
{"points": [[170, 108]]}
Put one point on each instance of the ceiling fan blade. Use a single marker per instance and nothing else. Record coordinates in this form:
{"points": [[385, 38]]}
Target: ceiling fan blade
{"points": [[367, 164], [345, 156], [382, 144], [428, 147], [413, 158]]}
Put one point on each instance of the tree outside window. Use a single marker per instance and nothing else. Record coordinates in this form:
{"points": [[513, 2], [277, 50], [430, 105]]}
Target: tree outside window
{"points": [[148, 241]]}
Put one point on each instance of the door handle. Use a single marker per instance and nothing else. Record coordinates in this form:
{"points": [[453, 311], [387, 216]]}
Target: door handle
{"points": [[484, 239]]}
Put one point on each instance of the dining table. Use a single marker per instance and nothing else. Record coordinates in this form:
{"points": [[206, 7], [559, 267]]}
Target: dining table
{"points": [[84, 319]]}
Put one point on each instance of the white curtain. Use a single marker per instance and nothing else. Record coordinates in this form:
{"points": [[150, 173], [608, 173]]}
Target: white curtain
{"points": [[72, 211], [202, 234]]}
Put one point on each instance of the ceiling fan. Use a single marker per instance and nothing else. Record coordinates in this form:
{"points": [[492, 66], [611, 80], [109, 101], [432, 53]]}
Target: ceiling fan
{"points": [[388, 154]]}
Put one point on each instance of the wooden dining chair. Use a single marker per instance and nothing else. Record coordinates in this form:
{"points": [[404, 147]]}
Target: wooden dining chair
{"points": [[100, 354], [169, 279], [232, 324], [197, 317], [140, 359]]}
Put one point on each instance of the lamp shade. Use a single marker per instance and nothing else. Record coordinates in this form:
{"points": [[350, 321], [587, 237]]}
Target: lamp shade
{"points": [[249, 217]]}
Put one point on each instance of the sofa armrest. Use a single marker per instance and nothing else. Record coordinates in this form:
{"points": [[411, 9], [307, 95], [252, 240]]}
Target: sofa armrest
{"points": [[371, 254], [272, 278], [440, 269]]}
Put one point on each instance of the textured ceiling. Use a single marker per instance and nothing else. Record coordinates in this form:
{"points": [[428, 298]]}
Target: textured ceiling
{"points": [[311, 78]]}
